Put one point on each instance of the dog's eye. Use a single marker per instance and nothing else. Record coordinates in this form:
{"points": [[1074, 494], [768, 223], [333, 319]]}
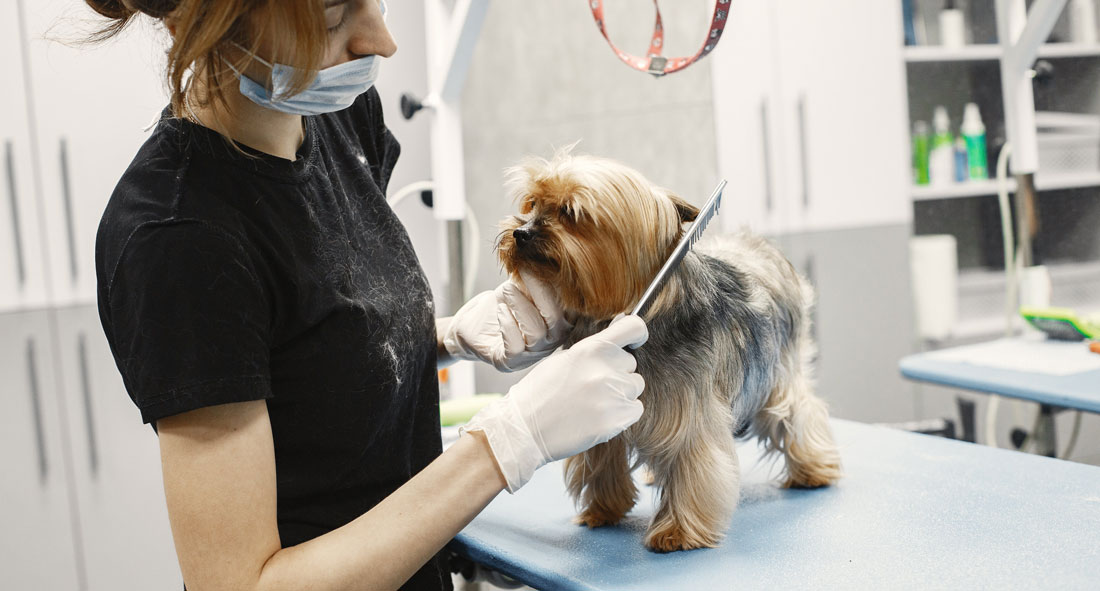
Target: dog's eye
{"points": [[565, 212]]}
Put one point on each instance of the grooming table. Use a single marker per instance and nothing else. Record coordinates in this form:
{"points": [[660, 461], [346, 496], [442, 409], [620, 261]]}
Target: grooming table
{"points": [[961, 367], [1059, 375], [913, 511]]}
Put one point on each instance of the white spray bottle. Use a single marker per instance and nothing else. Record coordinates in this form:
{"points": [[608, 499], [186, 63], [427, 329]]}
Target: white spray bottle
{"points": [[941, 160]]}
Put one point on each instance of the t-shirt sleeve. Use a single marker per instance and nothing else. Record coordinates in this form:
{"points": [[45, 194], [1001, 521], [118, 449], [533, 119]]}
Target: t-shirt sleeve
{"points": [[189, 319], [385, 145]]}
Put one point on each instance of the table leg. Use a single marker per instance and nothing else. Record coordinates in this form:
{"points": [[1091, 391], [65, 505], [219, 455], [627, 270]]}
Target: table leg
{"points": [[1045, 442]]}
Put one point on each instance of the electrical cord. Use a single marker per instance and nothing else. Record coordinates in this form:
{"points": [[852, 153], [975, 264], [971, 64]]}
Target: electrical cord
{"points": [[1012, 259], [1010, 279], [473, 244]]}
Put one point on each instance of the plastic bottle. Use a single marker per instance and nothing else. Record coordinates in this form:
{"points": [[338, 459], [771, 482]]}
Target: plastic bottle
{"points": [[952, 26], [941, 158], [1082, 21], [920, 153], [973, 132], [962, 174]]}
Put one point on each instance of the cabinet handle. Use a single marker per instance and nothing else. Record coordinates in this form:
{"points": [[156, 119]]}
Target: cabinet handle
{"points": [[67, 201], [13, 201], [803, 152], [89, 424], [36, 411], [766, 141]]}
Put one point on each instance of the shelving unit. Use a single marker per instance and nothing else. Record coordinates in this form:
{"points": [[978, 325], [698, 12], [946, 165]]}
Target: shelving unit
{"points": [[952, 77], [992, 52], [1049, 182], [935, 53]]}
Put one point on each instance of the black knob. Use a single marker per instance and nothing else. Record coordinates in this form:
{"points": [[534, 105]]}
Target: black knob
{"points": [[409, 106]]}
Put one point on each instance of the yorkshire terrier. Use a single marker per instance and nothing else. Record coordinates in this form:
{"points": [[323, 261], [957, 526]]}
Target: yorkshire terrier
{"points": [[728, 354]]}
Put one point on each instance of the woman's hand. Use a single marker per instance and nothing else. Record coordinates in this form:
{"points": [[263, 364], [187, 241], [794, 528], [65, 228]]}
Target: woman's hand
{"points": [[511, 327], [574, 400]]}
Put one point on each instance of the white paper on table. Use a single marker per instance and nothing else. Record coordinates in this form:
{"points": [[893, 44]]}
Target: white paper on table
{"points": [[1033, 355]]}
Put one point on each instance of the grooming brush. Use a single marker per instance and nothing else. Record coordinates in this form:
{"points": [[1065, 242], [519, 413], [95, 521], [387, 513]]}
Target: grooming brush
{"points": [[690, 238]]}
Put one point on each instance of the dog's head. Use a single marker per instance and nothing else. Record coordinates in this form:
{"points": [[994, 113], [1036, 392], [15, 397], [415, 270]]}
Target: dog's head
{"points": [[591, 227]]}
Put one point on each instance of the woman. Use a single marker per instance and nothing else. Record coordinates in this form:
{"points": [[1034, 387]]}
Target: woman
{"points": [[270, 320]]}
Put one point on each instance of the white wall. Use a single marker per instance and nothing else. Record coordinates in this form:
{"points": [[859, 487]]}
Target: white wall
{"points": [[542, 76]]}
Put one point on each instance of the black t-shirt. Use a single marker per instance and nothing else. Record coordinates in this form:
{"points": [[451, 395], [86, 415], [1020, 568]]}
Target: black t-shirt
{"points": [[224, 277]]}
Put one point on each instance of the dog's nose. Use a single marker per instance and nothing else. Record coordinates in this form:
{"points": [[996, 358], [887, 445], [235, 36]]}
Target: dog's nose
{"points": [[523, 236]]}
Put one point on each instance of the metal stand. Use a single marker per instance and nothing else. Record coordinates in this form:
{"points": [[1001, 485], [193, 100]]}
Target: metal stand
{"points": [[1021, 33], [1046, 443], [451, 36]]}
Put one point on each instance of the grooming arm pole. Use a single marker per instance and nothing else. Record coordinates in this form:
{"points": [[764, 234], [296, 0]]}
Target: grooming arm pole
{"points": [[1021, 33], [451, 36]]}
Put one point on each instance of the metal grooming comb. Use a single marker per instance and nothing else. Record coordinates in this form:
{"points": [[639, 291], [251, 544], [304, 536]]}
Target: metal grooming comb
{"points": [[690, 238]]}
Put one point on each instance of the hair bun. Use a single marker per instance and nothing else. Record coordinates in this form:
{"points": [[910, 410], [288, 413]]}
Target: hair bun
{"points": [[114, 9], [154, 8], [124, 9]]}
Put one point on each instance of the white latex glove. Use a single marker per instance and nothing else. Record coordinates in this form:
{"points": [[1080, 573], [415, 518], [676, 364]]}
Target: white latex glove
{"points": [[510, 327], [573, 400]]}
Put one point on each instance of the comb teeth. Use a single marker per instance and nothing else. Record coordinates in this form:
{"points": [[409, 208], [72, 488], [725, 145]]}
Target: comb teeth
{"points": [[681, 250]]}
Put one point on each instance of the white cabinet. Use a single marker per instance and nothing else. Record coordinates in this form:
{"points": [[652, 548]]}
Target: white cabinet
{"points": [[36, 524], [811, 115], [91, 105], [22, 274], [82, 501], [116, 466], [746, 99]]}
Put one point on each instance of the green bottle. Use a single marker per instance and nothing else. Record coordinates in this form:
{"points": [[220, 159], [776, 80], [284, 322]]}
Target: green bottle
{"points": [[973, 132], [920, 152]]}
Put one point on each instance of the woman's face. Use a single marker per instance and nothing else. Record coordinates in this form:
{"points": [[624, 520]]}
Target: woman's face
{"points": [[355, 29]]}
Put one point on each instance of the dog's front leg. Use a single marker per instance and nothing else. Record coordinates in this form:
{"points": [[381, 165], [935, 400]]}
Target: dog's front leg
{"points": [[600, 483], [700, 483]]}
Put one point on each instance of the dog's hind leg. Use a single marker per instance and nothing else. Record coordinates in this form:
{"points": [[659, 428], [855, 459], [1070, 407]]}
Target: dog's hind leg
{"points": [[795, 422], [600, 483], [700, 484]]}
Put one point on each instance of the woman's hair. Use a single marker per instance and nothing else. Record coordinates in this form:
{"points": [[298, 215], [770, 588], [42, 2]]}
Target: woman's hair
{"points": [[206, 33]]}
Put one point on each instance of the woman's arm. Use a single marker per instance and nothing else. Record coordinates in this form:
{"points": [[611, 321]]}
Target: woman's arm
{"points": [[219, 481], [443, 357]]}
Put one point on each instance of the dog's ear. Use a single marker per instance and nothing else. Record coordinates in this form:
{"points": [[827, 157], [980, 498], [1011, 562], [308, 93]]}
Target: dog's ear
{"points": [[687, 211]]}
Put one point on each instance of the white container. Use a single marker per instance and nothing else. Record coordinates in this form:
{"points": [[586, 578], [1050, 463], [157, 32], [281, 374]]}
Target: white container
{"points": [[935, 271], [1082, 21], [1068, 142], [1068, 153], [952, 28], [941, 157]]}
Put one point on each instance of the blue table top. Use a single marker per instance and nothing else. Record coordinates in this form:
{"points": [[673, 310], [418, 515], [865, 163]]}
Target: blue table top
{"points": [[1080, 391], [912, 511]]}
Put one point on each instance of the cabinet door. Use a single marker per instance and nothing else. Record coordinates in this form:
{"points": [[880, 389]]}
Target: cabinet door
{"points": [[747, 120], [92, 103], [862, 319], [844, 106], [36, 547], [22, 274], [116, 465]]}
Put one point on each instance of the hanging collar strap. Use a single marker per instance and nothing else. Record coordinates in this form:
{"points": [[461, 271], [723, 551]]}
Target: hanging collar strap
{"points": [[653, 62]]}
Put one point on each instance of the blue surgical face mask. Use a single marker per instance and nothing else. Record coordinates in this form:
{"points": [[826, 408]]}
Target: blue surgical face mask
{"points": [[333, 89]]}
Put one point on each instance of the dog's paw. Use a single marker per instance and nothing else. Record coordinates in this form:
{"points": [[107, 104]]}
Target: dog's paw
{"points": [[596, 518], [674, 538], [813, 476]]}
